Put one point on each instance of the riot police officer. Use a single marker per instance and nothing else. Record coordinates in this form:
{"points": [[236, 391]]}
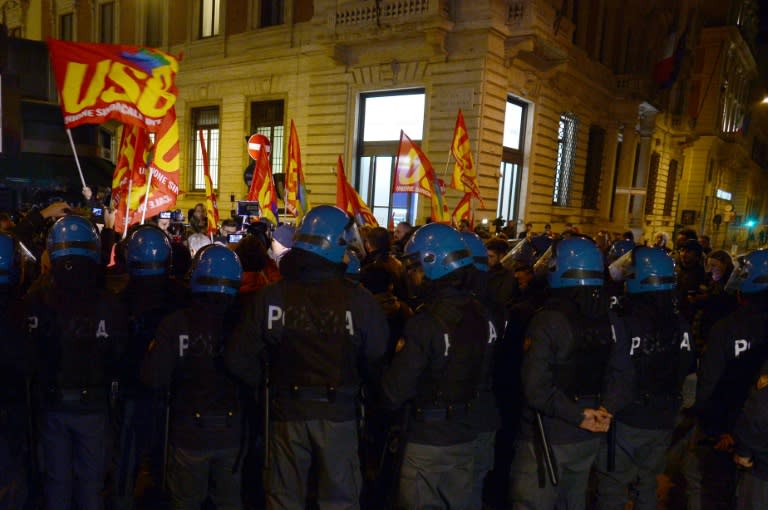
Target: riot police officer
{"points": [[315, 336], [78, 331], [206, 424], [484, 407], [736, 348], [442, 368], [662, 356], [149, 296], [14, 360], [574, 379]]}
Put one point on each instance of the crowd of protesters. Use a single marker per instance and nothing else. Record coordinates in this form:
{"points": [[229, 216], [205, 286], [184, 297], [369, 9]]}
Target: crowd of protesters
{"points": [[324, 366]]}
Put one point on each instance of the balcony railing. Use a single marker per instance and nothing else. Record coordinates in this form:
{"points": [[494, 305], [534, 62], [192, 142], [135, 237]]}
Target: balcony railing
{"points": [[388, 12]]}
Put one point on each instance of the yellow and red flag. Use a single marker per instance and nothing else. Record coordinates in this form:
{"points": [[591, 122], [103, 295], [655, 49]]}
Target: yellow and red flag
{"points": [[463, 210], [98, 82], [296, 200], [137, 158], [464, 172], [211, 209], [263, 188], [414, 174], [349, 200]]}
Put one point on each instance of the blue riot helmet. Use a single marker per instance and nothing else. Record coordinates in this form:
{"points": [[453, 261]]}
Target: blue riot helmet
{"points": [[751, 273], [10, 261], [477, 249], [438, 250], [148, 252], [216, 270], [645, 269], [329, 232], [572, 262], [74, 236], [619, 248]]}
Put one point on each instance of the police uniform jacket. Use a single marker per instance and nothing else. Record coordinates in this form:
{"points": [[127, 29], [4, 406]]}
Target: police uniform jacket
{"points": [[751, 431], [78, 339], [186, 356], [443, 368], [663, 354], [736, 348], [571, 363], [316, 337]]}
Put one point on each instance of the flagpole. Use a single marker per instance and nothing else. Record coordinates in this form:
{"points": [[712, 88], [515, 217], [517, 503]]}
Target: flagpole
{"points": [[128, 205], [146, 195], [77, 160]]}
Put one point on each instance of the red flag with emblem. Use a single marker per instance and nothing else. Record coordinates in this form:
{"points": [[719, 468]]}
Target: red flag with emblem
{"points": [[414, 174]]}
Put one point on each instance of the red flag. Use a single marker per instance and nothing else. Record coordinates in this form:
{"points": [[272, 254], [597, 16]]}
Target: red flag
{"points": [[414, 174], [137, 158], [391, 225], [464, 172], [98, 82], [463, 210], [263, 188], [296, 200], [348, 199], [211, 209]]}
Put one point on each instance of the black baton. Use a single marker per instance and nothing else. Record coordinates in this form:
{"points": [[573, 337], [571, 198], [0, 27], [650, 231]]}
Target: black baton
{"points": [[549, 456]]}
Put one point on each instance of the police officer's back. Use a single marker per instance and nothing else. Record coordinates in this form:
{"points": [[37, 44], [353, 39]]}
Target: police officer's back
{"points": [[662, 353], [318, 336], [441, 368], [736, 348], [573, 379], [206, 424], [78, 331], [148, 297]]}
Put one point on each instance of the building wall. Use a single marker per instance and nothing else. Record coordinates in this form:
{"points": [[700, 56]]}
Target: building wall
{"points": [[595, 61]]}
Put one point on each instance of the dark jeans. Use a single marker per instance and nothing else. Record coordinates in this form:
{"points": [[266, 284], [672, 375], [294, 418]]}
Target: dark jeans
{"points": [[194, 475], [435, 477], [640, 457], [74, 452], [574, 462], [482, 464], [330, 448]]}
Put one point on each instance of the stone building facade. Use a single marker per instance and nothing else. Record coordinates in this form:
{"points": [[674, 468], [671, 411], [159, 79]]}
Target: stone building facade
{"points": [[566, 109]]}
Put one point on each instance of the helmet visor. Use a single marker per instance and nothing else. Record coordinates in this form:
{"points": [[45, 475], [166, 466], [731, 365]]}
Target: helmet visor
{"points": [[352, 239], [622, 268]]}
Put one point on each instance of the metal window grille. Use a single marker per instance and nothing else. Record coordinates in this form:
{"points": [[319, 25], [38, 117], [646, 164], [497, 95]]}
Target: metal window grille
{"points": [[669, 197], [653, 177], [594, 167], [566, 159], [206, 119], [66, 29], [267, 120]]}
